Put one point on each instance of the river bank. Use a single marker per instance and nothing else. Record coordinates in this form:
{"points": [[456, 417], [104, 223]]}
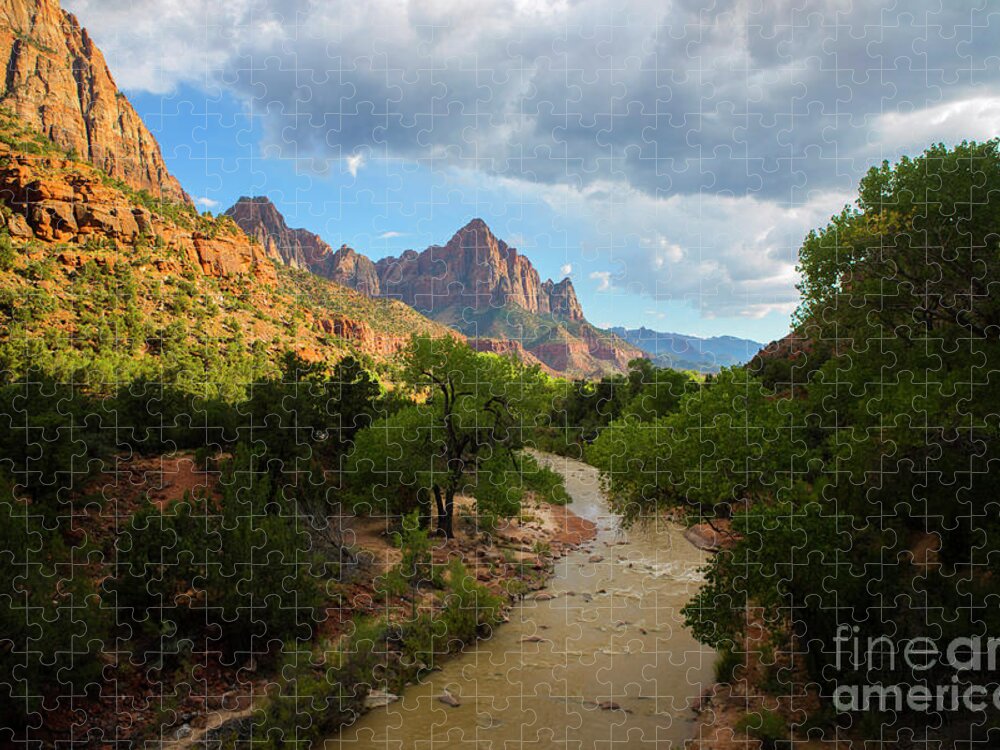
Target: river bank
{"points": [[592, 652], [517, 562], [599, 658]]}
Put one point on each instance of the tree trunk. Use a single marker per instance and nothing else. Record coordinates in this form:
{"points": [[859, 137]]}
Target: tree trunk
{"points": [[445, 512], [424, 512], [449, 514], [443, 517]]}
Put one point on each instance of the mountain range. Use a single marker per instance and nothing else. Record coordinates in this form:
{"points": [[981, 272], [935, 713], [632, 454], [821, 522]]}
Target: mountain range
{"points": [[475, 283], [81, 174], [682, 352]]}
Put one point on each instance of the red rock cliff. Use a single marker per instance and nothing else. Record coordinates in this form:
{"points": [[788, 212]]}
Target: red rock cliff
{"points": [[58, 83], [299, 248], [475, 270], [55, 200], [351, 268]]}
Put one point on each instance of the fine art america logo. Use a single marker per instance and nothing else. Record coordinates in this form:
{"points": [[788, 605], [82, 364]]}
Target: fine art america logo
{"points": [[940, 672]]}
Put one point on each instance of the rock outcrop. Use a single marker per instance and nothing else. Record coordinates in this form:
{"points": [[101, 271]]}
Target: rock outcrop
{"points": [[361, 333], [562, 300], [299, 248], [55, 200], [476, 283], [591, 352], [351, 268], [475, 270], [58, 83]]}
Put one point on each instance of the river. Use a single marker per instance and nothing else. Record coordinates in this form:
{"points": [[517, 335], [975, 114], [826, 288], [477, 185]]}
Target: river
{"points": [[612, 634]]}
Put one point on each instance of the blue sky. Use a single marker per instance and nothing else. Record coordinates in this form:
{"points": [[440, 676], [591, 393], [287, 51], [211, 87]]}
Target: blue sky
{"points": [[670, 158], [214, 146]]}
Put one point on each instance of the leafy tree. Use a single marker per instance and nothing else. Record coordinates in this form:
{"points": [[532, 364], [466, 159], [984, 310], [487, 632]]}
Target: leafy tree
{"points": [[306, 414], [917, 251], [729, 443], [52, 437], [470, 422], [655, 391], [892, 404], [899, 285], [239, 572]]}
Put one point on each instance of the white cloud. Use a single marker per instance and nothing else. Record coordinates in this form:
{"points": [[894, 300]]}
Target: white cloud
{"points": [[206, 202], [723, 256], [566, 269], [976, 118], [666, 97], [354, 162], [664, 251], [603, 278], [389, 235], [154, 45], [693, 148]]}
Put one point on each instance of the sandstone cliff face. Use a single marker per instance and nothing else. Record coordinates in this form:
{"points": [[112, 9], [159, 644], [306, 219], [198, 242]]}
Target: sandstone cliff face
{"points": [[351, 268], [592, 353], [475, 270], [360, 332], [299, 248], [563, 301], [58, 83]]}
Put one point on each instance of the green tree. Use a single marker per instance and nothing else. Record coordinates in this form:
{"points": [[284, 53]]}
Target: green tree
{"points": [[52, 627], [469, 418], [728, 443], [239, 572], [891, 404], [655, 391]]}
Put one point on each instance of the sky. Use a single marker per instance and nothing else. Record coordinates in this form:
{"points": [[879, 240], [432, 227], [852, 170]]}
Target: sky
{"points": [[668, 155]]}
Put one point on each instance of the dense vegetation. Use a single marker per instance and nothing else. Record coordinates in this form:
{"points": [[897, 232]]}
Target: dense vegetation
{"points": [[855, 473], [255, 558], [578, 411], [123, 361], [462, 435]]}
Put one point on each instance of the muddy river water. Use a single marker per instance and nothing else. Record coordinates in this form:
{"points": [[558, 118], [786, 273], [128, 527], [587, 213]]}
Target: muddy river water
{"points": [[605, 663]]}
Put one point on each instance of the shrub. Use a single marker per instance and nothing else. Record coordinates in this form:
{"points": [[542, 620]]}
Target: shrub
{"points": [[51, 625], [726, 665], [321, 689], [8, 254], [469, 607], [766, 726], [240, 574]]}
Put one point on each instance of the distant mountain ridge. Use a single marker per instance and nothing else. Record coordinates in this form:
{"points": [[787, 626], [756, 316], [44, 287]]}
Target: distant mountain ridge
{"points": [[475, 283], [683, 352]]}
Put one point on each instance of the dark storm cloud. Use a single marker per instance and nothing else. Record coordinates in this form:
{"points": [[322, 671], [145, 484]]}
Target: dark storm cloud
{"points": [[692, 147], [771, 98]]}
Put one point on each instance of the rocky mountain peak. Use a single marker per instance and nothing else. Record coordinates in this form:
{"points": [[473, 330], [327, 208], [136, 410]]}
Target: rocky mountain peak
{"points": [[58, 83], [562, 299], [258, 213], [475, 273], [299, 248], [351, 268]]}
